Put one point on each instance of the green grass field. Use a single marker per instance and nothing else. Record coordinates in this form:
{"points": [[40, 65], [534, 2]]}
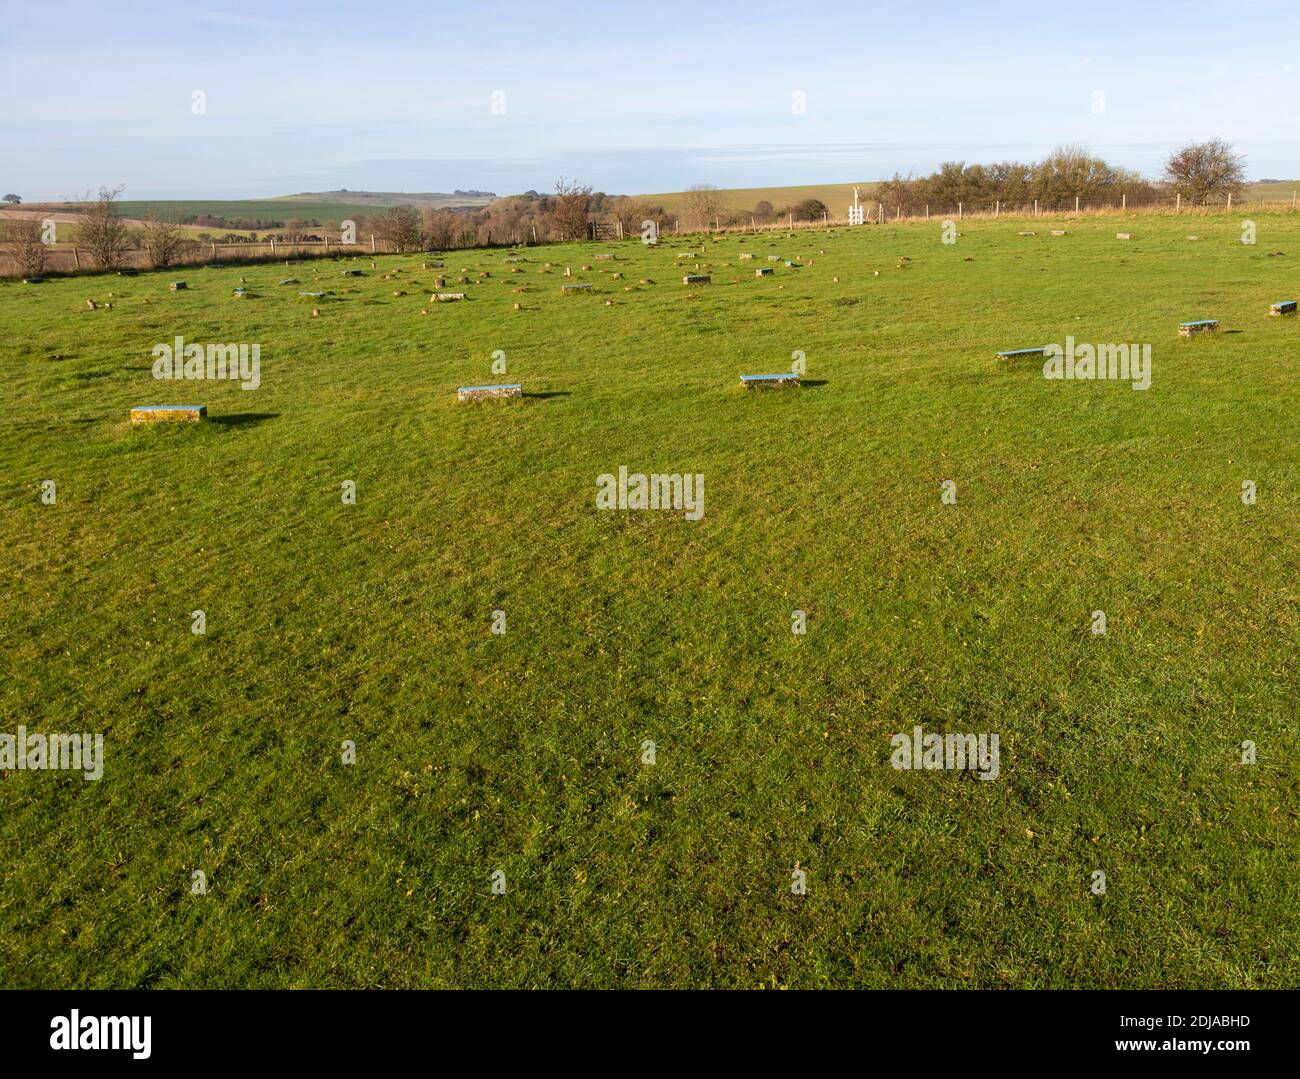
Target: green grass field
{"points": [[522, 752], [323, 207]]}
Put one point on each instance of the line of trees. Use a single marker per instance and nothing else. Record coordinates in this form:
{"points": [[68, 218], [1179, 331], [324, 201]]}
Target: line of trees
{"points": [[1202, 173]]}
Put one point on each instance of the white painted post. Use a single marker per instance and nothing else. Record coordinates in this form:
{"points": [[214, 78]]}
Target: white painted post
{"points": [[1123, 201], [927, 211], [1035, 207], [273, 247], [1076, 204], [1178, 203], [372, 243], [997, 209], [959, 211], [1229, 202]]}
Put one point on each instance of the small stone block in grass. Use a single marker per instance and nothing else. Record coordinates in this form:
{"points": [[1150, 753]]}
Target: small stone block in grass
{"points": [[483, 393], [1200, 325], [168, 414], [696, 279], [761, 382], [1282, 307]]}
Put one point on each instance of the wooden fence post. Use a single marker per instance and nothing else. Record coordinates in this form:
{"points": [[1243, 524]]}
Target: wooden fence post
{"points": [[1229, 202], [76, 257]]}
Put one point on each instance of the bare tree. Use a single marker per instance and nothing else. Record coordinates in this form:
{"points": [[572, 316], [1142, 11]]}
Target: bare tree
{"points": [[1205, 171], [13, 200], [400, 226], [703, 206], [439, 229], [569, 210], [162, 240], [25, 246], [103, 232]]}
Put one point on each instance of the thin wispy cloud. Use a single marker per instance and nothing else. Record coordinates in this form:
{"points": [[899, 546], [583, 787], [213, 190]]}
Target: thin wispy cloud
{"points": [[325, 96]]}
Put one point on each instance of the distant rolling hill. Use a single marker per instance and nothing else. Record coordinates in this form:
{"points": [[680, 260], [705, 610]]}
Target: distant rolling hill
{"points": [[322, 206], [837, 197]]}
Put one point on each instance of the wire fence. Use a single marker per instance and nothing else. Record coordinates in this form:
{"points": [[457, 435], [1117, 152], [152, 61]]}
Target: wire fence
{"points": [[881, 213]]}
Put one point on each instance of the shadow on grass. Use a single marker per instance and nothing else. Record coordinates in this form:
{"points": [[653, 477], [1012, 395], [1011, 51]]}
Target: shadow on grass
{"points": [[243, 419], [549, 394], [812, 383]]}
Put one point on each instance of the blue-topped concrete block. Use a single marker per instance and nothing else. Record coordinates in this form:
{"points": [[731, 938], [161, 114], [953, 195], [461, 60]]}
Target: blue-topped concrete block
{"points": [[479, 393], [787, 378], [168, 413], [1283, 307], [1200, 325], [1014, 353]]}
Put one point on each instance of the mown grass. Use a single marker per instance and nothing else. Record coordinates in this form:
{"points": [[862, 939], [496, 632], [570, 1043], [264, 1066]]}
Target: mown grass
{"points": [[522, 752]]}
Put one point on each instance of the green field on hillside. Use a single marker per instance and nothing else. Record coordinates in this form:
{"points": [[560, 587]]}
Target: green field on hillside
{"points": [[519, 760], [837, 197], [330, 206]]}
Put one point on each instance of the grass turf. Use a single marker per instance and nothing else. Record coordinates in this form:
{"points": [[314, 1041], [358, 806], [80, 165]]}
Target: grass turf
{"points": [[522, 752]]}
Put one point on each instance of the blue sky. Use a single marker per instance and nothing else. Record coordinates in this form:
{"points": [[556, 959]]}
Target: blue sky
{"points": [[628, 97]]}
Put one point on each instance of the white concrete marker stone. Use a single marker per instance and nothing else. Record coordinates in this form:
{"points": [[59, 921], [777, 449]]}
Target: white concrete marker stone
{"points": [[1282, 307], [696, 279], [1201, 325]]}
